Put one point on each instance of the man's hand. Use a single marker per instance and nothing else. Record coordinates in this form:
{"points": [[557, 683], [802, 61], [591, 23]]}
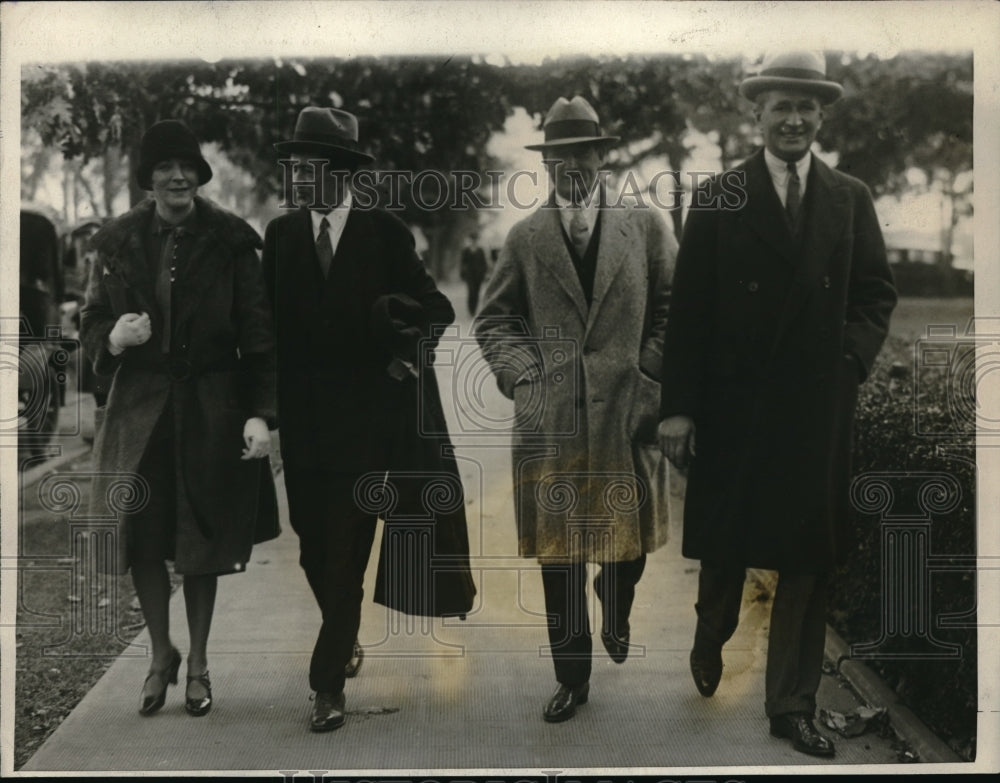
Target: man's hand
{"points": [[677, 440], [131, 329], [257, 439]]}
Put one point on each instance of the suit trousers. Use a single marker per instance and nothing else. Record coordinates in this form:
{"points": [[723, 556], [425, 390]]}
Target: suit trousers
{"points": [[335, 542], [796, 639], [565, 587]]}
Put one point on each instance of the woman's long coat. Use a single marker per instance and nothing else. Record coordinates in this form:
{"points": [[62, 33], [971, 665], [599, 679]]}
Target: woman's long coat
{"points": [[768, 338], [220, 373], [584, 381]]}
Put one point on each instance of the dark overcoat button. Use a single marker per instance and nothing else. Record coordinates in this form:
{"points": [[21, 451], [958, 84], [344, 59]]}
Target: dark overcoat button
{"points": [[753, 286]]}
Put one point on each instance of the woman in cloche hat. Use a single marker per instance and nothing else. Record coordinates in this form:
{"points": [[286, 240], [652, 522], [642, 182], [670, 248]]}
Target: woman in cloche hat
{"points": [[176, 313]]}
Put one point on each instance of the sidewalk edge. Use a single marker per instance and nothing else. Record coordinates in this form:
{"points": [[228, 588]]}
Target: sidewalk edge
{"points": [[928, 746], [69, 452]]}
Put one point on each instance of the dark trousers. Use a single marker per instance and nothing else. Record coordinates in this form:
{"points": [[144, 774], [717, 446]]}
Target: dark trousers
{"points": [[335, 541], [565, 587], [795, 641]]}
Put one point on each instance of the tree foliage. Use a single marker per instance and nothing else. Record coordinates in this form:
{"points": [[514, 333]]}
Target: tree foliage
{"points": [[910, 111]]}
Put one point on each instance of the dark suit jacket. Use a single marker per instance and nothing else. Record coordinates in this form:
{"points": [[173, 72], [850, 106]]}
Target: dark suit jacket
{"points": [[333, 388], [755, 347]]}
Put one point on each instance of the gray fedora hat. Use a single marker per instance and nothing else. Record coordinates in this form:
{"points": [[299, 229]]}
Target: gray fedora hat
{"points": [[327, 132], [570, 122], [804, 71]]}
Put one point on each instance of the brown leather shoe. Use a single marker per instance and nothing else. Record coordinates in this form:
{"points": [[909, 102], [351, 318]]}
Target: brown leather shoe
{"points": [[707, 671], [800, 729], [357, 657], [562, 705], [328, 711]]}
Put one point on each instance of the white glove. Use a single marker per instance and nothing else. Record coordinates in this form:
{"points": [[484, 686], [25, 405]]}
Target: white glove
{"points": [[257, 439], [131, 329]]}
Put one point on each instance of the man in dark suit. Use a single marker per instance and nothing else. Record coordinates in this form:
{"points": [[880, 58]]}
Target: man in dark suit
{"points": [[782, 298], [325, 265]]}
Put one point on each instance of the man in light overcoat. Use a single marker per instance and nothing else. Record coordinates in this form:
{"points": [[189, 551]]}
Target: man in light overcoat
{"points": [[782, 299], [572, 327]]}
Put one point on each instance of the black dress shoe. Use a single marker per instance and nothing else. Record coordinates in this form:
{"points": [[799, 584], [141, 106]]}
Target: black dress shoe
{"points": [[354, 665], [800, 729], [616, 643], [562, 705], [201, 705], [167, 676], [615, 640], [328, 711], [707, 671]]}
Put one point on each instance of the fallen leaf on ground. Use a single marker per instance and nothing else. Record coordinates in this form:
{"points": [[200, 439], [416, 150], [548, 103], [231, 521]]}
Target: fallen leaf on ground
{"points": [[855, 723]]}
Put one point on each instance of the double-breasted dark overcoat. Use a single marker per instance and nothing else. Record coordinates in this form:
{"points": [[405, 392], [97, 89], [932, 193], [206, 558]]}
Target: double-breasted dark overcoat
{"points": [[219, 372], [769, 335], [584, 380]]}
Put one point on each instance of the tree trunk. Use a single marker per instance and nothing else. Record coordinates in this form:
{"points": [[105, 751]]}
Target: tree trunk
{"points": [[949, 218], [111, 163], [135, 193]]}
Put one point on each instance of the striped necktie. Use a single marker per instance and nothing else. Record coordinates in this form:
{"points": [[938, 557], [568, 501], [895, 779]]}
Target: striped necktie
{"points": [[324, 247], [793, 198]]}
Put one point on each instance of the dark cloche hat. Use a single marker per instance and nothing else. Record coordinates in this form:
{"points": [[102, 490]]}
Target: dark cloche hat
{"points": [[804, 71], [331, 133], [169, 139], [570, 122]]}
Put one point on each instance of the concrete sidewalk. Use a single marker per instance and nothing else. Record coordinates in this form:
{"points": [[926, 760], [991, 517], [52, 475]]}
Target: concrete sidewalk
{"points": [[447, 695]]}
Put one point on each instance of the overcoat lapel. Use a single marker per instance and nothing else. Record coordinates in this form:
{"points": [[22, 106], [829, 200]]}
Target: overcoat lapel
{"points": [[203, 266], [305, 253], [763, 213], [826, 207], [551, 251], [346, 268], [131, 264], [611, 253]]}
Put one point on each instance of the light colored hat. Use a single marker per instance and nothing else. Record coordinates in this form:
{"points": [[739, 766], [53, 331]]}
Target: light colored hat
{"points": [[804, 71], [570, 122]]}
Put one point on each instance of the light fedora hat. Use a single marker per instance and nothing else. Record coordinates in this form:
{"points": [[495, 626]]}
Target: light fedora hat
{"points": [[325, 131], [804, 71], [570, 122]]}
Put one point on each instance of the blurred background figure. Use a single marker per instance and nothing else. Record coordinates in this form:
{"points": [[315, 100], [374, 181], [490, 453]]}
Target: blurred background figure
{"points": [[473, 271]]}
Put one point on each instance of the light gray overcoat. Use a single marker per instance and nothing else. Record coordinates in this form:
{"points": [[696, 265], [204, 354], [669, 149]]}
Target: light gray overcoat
{"points": [[584, 381]]}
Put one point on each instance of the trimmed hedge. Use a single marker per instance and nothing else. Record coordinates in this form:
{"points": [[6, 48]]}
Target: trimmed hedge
{"points": [[900, 434]]}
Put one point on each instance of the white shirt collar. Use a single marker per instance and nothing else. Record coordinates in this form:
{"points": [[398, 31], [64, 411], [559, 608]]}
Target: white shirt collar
{"points": [[337, 218], [779, 168]]}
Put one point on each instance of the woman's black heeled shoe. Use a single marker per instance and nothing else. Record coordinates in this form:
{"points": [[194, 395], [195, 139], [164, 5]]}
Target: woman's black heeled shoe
{"points": [[200, 706], [151, 704]]}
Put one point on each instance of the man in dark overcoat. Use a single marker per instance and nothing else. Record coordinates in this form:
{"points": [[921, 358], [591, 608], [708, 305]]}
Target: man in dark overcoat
{"points": [[572, 326], [782, 298], [325, 265]]}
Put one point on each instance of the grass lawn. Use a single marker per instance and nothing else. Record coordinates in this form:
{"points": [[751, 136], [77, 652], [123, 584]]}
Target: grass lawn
{"points": [[71, 624]]}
